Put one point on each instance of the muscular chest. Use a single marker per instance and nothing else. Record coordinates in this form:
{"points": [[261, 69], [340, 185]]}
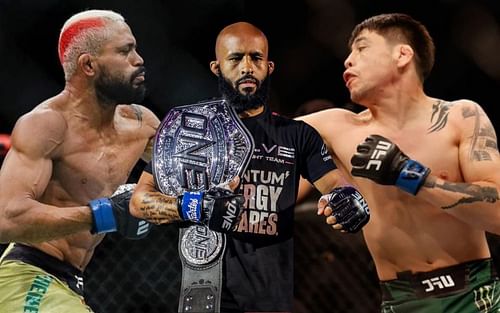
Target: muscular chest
{"points": [[94, 164]]}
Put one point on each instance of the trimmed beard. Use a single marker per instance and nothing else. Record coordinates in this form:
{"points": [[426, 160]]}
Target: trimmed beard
{"points": [[243, 102], [117, 90]]}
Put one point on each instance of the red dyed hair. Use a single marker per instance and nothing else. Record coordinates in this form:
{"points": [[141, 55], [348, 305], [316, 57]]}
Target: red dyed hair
{"points": [[74, 30]]}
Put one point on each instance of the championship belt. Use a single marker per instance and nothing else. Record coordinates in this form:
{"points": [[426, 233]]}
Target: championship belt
{"points": [[197, 147]]}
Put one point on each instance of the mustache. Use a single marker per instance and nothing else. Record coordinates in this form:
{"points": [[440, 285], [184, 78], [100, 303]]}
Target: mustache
{"points": [[140, 71], [248, 77]]}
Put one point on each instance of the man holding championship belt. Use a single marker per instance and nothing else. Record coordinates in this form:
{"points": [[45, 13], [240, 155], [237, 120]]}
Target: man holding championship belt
{"points": [[257, 271]]}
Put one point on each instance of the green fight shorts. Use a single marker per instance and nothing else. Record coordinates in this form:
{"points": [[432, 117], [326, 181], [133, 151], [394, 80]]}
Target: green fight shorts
{"points": [[471, 287], [34, 282]]}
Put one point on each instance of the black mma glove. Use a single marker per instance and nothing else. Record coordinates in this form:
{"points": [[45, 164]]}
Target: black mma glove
{"points": [[112, 214], [380, 160], [349, 208], [218, 208]]}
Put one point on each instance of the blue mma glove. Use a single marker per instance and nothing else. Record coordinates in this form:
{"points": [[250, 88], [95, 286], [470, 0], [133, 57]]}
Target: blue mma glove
{"points": [[112, 214], [349, 208], [380, 160], [218, 208]]}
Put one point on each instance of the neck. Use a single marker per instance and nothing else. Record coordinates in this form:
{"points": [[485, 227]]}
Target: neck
{"points": [[83, 103], [251, 112]]}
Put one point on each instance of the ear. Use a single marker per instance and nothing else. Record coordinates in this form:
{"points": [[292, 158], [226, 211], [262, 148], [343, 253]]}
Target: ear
{"points": [[270, 67], [86, 64], [215, 68], [405, 54]]}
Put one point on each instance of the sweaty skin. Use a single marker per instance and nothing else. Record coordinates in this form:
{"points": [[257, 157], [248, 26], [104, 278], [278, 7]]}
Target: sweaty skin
{"points": [[445, 223], [69, 150]]}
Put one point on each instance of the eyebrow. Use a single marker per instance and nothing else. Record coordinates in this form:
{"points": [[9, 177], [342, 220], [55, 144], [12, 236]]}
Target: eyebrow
{"points": [[129, 45], [361, 38], [240, 54]]}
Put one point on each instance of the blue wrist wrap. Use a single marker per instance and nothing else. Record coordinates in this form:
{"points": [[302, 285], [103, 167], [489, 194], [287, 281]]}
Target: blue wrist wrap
{"points": [[104, 219], [412, 176], [191, 205]]}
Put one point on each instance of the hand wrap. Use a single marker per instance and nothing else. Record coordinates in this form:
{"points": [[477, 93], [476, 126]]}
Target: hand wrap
{"points": [[112, 214], [218, 208]]}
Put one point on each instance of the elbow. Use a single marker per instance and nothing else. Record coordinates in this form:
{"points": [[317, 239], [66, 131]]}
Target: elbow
{"points": [[12, 226], [7, 231]]}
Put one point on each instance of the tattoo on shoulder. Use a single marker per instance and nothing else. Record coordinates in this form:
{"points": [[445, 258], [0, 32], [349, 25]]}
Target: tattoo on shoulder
{"points": [[483, 138], [439, 117], [138, 112], [471, 193]]}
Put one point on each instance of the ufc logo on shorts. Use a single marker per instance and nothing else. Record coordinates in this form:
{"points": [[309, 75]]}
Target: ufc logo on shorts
{"points": [[379, 152], [441, 282]]}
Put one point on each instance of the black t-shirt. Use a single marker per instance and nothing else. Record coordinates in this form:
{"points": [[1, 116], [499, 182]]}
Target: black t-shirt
{"points": [[259, 255], [258, 265]]}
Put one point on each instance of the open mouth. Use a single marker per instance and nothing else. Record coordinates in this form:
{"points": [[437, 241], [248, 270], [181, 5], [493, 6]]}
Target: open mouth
{"points": [[139, 79], [348, 77]]}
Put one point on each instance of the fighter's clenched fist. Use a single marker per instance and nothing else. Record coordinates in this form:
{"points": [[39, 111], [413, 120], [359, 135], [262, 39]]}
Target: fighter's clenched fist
{"points": [[380, 160], [345, 208]]}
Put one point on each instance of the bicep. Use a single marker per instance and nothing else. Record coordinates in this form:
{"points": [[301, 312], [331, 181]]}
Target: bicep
{"points": [[147, 155], [152, 123], [318, 121], [146, 183], [28, 166], [478, 150], [25, 174]]}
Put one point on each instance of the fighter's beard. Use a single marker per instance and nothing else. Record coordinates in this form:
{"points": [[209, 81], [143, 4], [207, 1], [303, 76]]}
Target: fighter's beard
{"points": [[117, 90], [241, 102]]}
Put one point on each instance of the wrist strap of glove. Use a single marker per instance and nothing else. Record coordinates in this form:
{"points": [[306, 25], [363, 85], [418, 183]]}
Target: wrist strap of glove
{"points": [[102, 213], [412, 176], [190, 208]]}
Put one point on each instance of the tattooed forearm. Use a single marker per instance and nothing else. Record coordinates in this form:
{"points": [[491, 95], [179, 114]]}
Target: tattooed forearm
{"points": [[483, 139], [439, 117], [471, 193], [159, 209]]}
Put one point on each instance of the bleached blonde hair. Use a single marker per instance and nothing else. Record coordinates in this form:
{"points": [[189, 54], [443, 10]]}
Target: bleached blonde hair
{"points": [[84, 32]]}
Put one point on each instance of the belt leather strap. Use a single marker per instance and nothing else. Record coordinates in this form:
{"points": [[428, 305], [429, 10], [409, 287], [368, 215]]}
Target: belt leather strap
{"points": [[201, 251]]}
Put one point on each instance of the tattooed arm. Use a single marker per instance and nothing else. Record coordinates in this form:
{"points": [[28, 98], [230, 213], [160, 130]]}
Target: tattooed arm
{"points": [[150, 204], [476, 199]]}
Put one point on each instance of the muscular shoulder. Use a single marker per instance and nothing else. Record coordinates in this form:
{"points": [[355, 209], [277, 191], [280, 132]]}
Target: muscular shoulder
{"points": [[143, 116], [40, 131], [291, 126], [336, 114], [464, 108], [469, 116], [456, 113], [332, 120]]}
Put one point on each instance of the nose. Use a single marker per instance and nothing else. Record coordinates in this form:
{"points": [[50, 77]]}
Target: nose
{"points": [[246, 66], [348, 61], [137, 59]]}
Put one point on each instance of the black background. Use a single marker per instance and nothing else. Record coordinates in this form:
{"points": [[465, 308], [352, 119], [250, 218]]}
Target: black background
{"points": [[307, 42]]}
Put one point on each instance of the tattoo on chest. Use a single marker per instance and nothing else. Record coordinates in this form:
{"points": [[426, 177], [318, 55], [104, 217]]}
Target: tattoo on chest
{"points": [[483, 139], [439, 117], [158, 209], [471, 193]]}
